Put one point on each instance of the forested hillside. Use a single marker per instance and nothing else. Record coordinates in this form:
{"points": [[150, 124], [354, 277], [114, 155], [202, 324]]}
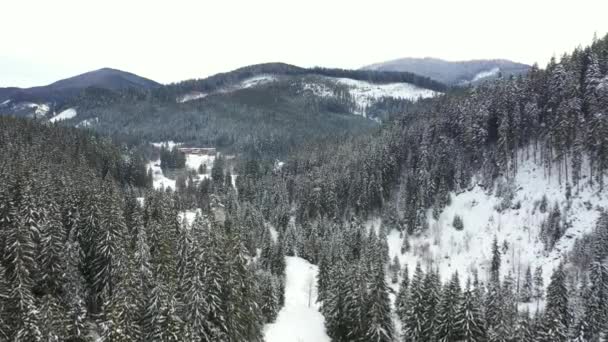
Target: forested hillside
{"points": [[83, 258]]}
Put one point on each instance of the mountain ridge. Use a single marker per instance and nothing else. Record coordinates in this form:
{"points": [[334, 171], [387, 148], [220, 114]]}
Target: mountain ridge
{"points": [[449, 72]]}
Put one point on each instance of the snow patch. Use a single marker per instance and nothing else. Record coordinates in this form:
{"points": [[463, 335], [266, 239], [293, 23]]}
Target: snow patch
{"points": [[191, 96], [257, 81], [193, 161], [299, 320], [158, 178], [166, 144], [486, 74], [87, 123], [64, 115], [4, 103]]}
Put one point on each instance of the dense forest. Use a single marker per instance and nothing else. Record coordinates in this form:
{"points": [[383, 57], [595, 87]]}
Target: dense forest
{"points": [[89, 250]]}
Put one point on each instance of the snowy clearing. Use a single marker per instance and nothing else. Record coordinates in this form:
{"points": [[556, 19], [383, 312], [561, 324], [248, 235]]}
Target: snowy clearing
{"points": [[158, 178], [299, 320], [64, 115], [193, 161]]}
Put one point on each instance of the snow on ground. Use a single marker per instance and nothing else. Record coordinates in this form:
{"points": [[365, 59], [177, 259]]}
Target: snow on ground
{"points": [[486, 74], [41, 110], [299, 320], [167, 144], [246, 83], [451, 250], [64, 115], [193, 161], [191, 96], [366, 93], [4, 103], [256, 81], [158, 178], [87, 122], [189, 215]]}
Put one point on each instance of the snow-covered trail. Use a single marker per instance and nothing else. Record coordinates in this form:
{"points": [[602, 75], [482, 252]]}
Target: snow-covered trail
{"points": [[299, 320]]}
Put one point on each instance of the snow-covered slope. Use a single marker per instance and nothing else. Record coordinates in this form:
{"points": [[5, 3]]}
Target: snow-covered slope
{"points": [[256, 81], [244, 84], [299, 320], [365, 93], [519, 225], [64, 115], [485, 74], [193, 95]]}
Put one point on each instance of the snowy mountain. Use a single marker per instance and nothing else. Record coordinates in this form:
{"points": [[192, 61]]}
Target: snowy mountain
{"points": [[449, 72]]}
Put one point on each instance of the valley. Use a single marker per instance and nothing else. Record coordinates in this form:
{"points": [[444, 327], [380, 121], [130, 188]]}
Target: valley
{"points": [[411, 200]]}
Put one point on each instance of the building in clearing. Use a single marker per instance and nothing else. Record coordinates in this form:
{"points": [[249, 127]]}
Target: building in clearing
{"points": [[202, 151]]}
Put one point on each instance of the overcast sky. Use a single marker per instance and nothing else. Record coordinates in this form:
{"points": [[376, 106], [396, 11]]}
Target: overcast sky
{"points": [[168, 41]]}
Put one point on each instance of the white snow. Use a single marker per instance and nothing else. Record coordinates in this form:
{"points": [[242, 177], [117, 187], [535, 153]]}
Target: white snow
{"points": [[5, 102], [449, 250], [167, 144], [87, 123], [256, 81], [189, 215], [486, 74], [365, 93], [42, 109], [193, 161], [318, 89], [299, 320], [158, 178], [64, 115], [191, 96]]}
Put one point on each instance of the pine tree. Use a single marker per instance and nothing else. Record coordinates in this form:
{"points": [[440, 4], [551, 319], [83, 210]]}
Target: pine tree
{"points": [[539, 287], [596, 304], [379, 309], [401, 302], [447, 328], [556, 319], [527, 288], [469, 318], [413, 324], [395, 268], [495, 266], [75, 325], [524, 331], [431, 289]]}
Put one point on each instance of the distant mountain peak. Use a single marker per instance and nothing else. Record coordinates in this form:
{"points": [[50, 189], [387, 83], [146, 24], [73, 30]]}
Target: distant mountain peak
{"points": [[62, 90], [452, 72]]}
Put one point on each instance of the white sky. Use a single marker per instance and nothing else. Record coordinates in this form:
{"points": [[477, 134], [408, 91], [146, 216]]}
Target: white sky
{"points": [[167, 41]]}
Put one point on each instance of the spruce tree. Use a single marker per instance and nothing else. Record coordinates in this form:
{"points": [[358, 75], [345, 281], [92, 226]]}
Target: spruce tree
{"points": [[379, 309], [447, 328], [469, 318]]}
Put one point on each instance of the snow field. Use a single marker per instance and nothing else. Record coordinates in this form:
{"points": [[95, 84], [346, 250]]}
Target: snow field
{"points": [[64, 115], [299, 320]]}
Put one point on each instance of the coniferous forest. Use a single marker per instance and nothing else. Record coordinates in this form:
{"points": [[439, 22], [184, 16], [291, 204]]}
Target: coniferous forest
{"points": [[90, 250]]}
